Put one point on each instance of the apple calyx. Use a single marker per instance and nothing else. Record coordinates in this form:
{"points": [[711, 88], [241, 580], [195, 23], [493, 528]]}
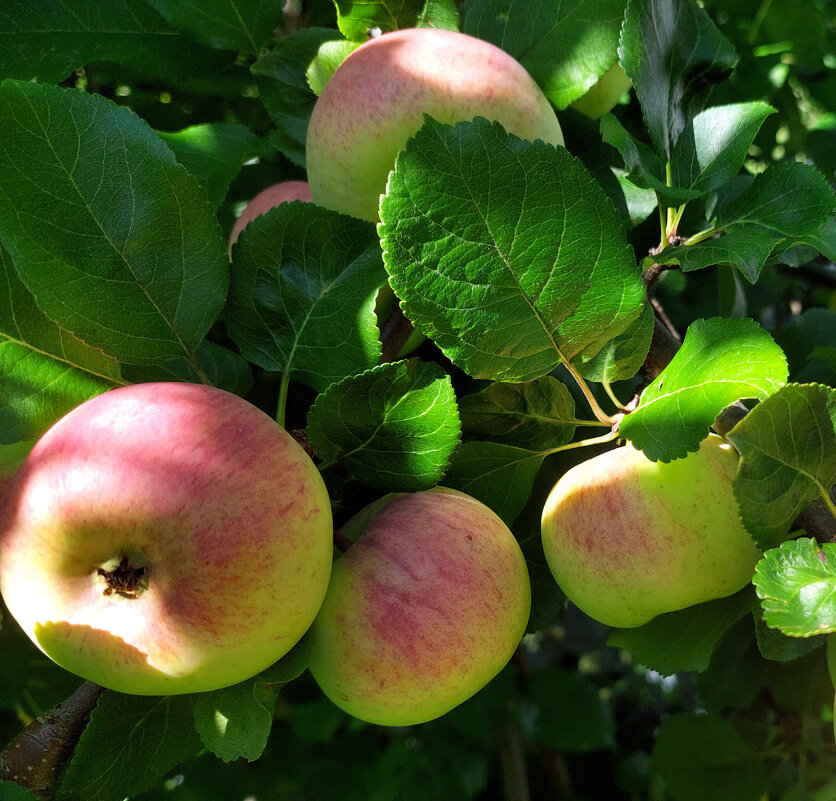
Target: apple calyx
{"points": [[126, 579]]}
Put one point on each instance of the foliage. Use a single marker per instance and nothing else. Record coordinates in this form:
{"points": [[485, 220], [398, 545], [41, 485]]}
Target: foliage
{"points": [[669, 272]]}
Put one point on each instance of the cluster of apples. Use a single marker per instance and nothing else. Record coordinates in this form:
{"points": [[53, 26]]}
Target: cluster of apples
{"points": [[168, 538]]}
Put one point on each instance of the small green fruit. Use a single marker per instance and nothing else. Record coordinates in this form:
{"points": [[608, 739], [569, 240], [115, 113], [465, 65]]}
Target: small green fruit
{"points": [[628, 539]]}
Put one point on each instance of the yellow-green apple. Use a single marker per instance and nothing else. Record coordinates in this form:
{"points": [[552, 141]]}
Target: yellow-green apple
{"points": [[273, 196], [628, 539], [377, 97], [423, 610], [165, 538], [604, 94]]}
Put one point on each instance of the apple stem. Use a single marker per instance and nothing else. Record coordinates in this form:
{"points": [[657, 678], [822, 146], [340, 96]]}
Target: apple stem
{"points": [[582, 443], [611, 395], [701, 236], [599, 413]]}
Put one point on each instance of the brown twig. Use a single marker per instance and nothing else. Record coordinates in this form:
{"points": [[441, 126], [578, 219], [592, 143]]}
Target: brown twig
{"points": [[651, 275], [38, 755], [663, 318]]}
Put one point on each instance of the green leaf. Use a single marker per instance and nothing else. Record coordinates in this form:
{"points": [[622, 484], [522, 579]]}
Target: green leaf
{"points": [[213, 153], [303, 281], [44, 371], [48, 41], [12, 456], [777, 647], [571, 715], [673, 53], [329, 56], [9, 791], [702, 756], [826, 355], [623, 355], [639, 203], [683, 640], [395, 427], [439, 14], [281, 77], [130, 743], [501, 476], [235, 722], [37, 390], [720, 361], [813, 330], [582, 137], [114, 239], [245, 25], [355, 18], [224, 368], [537, 415], [28, 679], [540, 270], [796, 583], [711, 149], [824, 240], [292, 665], [644, 168], [787, 447], [789, 200], [746, 247], [566, 45]]}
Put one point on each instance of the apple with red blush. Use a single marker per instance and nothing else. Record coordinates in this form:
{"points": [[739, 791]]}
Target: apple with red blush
{"points": [[165, 538], [424, 608]]}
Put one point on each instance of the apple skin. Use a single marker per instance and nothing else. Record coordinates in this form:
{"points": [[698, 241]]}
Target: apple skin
{"points": [[604, 94], [423, 610], [224, 510], [269, 198], [628, 539], [377, 97]]}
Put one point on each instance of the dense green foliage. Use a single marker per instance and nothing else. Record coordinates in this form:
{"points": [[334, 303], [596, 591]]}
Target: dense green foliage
{"points": [[554, 286]]}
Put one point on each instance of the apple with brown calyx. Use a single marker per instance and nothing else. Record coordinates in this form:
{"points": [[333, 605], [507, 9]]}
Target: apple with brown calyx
{"points": [[628, 539], [165, 538], [377, 98], [423, 610]]}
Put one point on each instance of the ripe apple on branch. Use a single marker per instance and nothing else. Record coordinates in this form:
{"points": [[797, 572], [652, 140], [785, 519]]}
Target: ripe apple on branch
{"points": [[167, 537]]}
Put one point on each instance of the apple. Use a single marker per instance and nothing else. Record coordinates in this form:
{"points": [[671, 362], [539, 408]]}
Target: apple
{"points": [[165, 538], [604, 94], [377, 97], [269, 198], [423, 610], [628, 539]]}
